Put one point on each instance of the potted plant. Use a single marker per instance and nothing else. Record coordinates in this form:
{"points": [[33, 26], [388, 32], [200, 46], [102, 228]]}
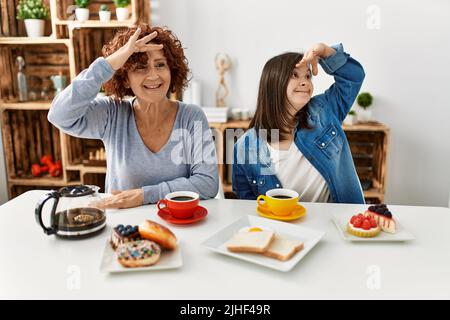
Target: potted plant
{"points": [[122, 11], [82, 11], [104, 13], [364, 100], [350, 119], [34, 13]]}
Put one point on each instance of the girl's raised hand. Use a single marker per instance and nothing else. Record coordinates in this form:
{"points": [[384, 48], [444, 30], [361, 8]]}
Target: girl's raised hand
{"points": [[312, 55], [118, 58]]}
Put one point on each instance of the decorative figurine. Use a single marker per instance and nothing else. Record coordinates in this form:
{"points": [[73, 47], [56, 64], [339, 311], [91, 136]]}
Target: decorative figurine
{"points": [[223, 64], [21, 79]]}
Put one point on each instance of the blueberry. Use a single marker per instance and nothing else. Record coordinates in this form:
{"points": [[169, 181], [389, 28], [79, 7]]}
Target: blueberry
{"points": [[388, 214], [135, 229], [128, 227], [379, 210], [120, 226], [372, 208]]}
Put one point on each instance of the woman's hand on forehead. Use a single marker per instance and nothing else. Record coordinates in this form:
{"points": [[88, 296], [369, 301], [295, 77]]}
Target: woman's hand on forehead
{"points": [[133, 45], [143, 45]]}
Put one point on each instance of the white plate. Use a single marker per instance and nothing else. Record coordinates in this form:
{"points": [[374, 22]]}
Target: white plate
{"points": [[168, 260], [401, 233], [308, 236]]}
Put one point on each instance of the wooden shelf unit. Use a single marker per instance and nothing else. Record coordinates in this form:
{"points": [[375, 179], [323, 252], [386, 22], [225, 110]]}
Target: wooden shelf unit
{"points": [[26, 40], [32, 105], [369, 143], [68, 47]]}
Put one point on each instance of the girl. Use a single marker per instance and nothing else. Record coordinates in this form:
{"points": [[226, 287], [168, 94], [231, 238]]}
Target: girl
{"points": [[295, 141]]}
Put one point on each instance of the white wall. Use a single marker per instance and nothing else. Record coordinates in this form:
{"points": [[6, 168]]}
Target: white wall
{"points": [[406, 61]]}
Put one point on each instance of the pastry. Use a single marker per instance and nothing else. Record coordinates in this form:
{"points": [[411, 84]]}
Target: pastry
{"points": [[155, 232], [383, 217], [363, 226], [124, 234], [139, 253]]}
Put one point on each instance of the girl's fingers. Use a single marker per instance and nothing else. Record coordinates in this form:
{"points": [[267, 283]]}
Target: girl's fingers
{"points": [[147, 38], [315, 70], [150, 47], [305, 60]]}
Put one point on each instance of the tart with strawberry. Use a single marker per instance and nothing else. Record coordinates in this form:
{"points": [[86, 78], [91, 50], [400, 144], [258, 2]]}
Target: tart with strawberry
{"points": [[382, 216], [363, 226]]}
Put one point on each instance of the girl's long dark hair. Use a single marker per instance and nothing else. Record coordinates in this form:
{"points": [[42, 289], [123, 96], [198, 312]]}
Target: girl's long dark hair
{"points": [[272, 110]]}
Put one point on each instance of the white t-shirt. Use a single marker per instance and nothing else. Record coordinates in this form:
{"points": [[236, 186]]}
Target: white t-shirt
{"points": [[295, 172]]}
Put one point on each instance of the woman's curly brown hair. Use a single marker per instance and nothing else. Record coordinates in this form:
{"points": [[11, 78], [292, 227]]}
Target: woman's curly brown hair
{"points": [[173, 51]]}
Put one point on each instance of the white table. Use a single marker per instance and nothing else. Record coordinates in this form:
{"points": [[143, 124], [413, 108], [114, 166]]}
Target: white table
{"points": [[34, 265]]}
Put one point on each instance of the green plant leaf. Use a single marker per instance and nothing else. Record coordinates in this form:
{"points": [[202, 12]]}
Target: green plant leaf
{"points": [[364, 100], [32, 9], [121, 3]]}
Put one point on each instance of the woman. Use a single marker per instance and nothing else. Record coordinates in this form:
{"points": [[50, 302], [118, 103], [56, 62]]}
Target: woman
{"points": [[154, 146], [295, 141]]}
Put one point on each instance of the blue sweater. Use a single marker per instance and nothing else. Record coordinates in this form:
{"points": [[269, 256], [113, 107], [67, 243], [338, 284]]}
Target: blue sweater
{"points": [[187, 161]]}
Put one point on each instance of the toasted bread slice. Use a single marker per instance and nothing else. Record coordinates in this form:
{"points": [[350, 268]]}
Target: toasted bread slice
{"points": [[283, 249], [256, 242]]}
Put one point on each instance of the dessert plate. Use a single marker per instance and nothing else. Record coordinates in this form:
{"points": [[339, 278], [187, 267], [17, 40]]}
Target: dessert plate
{"points": [[341, 220]]}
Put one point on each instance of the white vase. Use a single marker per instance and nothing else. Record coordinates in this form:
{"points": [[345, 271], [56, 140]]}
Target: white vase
{"points": [[105, 16], [350, 120], [122, 14], [364, 115], [35, 27], [82, 14]]}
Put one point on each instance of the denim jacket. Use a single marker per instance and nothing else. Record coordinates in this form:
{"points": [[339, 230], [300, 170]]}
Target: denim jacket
{"points": [[325, 145]]}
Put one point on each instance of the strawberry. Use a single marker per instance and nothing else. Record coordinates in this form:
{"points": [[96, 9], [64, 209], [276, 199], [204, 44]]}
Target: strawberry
{"points": [[373, 223], [352, 220], [358, 222], [366, 225]]}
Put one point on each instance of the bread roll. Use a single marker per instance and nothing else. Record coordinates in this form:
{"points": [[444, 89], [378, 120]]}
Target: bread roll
{"points": [[155, 232]]}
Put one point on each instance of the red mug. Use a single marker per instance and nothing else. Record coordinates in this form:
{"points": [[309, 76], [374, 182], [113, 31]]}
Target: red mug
{"points": [[180, 204]]}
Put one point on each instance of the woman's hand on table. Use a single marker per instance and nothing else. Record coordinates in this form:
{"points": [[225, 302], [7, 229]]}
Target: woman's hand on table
{"points": [[118, 58], [121, 200], [312, 55]]}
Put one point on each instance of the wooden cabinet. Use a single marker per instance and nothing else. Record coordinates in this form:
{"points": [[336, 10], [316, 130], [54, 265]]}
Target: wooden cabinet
{"points": [[368, 143], [67, 48]]}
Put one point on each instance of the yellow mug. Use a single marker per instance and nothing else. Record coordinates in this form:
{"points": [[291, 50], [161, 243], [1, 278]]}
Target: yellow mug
{"points": [[280, 202]]}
